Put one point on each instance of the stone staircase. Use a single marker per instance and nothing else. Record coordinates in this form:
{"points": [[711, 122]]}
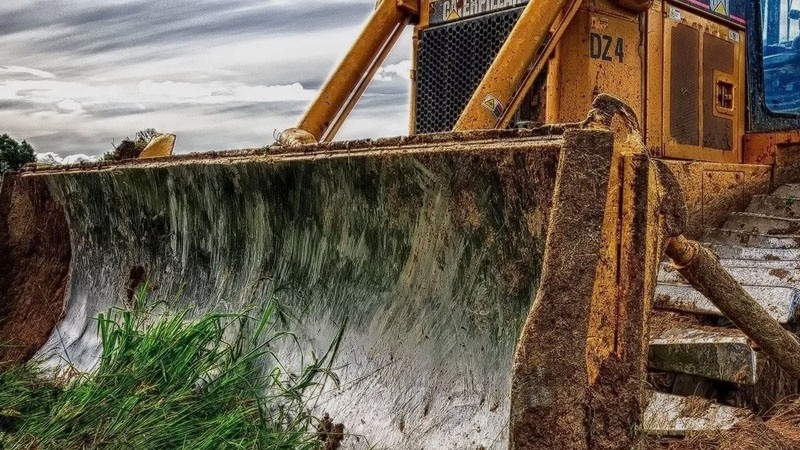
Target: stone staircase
{"points": [[696, 354]]}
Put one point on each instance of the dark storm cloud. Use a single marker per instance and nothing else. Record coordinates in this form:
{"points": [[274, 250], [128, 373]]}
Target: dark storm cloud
{"points": [[110, 28], [18, 105]]}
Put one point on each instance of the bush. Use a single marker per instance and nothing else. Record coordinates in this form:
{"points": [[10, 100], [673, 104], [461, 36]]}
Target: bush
{"points": [[129, 149], [13, 154]]}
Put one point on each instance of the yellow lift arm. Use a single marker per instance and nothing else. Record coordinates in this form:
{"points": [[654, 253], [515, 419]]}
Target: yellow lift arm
{"points": [[349, 80]]}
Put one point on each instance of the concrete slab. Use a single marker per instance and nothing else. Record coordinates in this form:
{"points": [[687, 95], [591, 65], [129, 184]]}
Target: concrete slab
{"points": [[780, 302], [788, 190], [775, 206], [672, 415], [761, 263], [738, 251], [723, 354], [762, 224], [750, 239], [746, 276]]}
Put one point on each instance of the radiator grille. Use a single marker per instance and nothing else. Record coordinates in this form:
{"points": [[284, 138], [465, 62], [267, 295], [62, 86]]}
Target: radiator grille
{"points": [[452, 60], [685, 85]]}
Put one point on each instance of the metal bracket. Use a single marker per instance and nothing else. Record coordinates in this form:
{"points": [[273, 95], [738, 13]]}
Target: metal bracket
{"points": [[410, 6], [636, 5], [605, 107]]}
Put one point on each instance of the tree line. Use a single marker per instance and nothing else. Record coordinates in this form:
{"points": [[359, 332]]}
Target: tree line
{"points": [[14, 155]]}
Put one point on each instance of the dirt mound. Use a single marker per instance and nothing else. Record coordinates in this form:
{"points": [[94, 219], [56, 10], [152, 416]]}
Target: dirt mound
{"points": [[34, 267]]}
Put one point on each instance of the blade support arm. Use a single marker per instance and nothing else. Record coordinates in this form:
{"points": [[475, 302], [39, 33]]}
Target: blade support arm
{"points": [[346, 83]]}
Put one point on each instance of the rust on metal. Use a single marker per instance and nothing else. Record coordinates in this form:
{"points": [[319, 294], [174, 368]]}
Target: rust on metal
{"points": [[760, 148]]}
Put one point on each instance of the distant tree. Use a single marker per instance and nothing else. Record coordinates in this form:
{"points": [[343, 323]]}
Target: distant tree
{"points": [[129, 149], [146, 135], [13, 154], [109, 156]]}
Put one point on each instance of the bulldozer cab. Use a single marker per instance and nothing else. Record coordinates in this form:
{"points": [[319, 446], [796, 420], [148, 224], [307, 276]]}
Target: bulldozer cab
{"points": [[780, 22]]}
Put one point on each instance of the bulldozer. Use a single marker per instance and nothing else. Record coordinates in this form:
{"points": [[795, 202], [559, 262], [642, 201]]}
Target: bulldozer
{"points": [[590, 235]]}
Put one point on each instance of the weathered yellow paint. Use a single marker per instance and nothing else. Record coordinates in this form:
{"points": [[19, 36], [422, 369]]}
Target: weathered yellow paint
{"points": [[159, 146], [425, 7], [761, 148], [713, 190], [579, 77], [603, 312], [639, 255], [707, 27], [654, 75], [562, 24], [607, 313]]}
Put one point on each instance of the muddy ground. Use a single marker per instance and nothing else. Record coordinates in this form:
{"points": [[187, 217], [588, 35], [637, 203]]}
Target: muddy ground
{"points": [[34, 266], [781, 431]]}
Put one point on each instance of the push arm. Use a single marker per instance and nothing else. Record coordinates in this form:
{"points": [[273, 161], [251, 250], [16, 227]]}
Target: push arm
{"points": [[348, 81]]}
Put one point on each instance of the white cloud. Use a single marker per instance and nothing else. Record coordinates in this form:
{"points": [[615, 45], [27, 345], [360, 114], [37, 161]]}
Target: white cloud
{"points": [[70, 105], [400, 70], [49, 158], [53, 158], [25, 70], [219, 93], [69, 90], [78, 158], [73, 96]]}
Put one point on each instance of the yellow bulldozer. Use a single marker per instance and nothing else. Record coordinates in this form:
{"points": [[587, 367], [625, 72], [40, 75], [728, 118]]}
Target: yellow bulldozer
{"points": [[521, 271]]}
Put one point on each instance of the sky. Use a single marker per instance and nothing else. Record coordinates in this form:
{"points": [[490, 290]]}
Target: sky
{"points": [[77, 76]]}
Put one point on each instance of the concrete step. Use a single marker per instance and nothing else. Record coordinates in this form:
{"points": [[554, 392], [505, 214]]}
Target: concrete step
{"points": [[721, 354], [788, 191], [773, 205], [675, 416], [760, 264], [749, 239], [762, 224], [779, 302], [738, 251], [746, 276]]}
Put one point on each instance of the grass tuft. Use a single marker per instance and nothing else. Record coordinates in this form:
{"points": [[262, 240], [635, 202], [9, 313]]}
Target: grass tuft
{"points": [[167, 382]]}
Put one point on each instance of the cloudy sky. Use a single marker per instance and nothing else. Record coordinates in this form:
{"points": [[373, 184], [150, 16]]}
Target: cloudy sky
{"points": [[76, 75]]}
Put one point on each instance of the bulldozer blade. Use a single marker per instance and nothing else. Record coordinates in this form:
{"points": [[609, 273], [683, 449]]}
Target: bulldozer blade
{"points": [[424, 253]]}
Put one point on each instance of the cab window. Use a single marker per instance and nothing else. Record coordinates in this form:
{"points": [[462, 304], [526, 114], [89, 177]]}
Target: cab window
{"points": [[781, 29]]}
